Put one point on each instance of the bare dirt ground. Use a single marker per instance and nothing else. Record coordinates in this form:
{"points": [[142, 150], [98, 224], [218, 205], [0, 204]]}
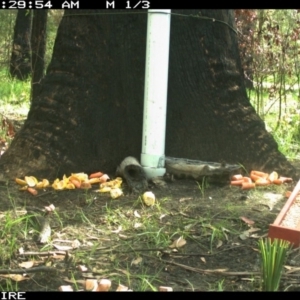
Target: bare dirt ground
{"points": [[127, 242]]}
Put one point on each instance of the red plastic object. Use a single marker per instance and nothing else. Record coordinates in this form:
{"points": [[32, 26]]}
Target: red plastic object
{"points": [[291, 234]]}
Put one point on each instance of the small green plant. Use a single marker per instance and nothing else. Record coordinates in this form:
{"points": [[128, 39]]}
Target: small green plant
{"points": [[220, 285], [203, 186], [273, 256]]}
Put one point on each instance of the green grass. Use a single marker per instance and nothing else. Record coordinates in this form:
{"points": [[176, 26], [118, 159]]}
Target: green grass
{"points": [[203, 186], [13, 91], [285, 131], [273, 257]]}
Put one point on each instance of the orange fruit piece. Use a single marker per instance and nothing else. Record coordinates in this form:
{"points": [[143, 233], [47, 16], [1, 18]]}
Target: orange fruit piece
{"points": [[32, 191], [248, 186], [96, 175], [237, 182], [262, 182], [273, 176]]}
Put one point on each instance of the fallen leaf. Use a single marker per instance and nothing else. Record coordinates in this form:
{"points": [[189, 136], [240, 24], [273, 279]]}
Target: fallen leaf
{"points": [[235, 244], [136, 214], [247, 221], [248, 279], [219, 244], [10, 130], [252, 229], [75, 244], [15, 277], [62, 248], [137, 225], [26, 264], [123, 236], [137, 261], [224, 232], [162, 216], [118, 230], [180, 242], [257, 236], [203, 259], [243, 236], [185, 199]]}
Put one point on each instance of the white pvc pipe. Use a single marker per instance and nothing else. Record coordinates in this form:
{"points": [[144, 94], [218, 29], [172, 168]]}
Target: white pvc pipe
{"points": [[156, 86]]}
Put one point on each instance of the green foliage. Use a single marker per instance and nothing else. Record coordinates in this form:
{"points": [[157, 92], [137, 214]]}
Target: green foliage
{"points": [[7, 22], [273, 256], [269, 49]]}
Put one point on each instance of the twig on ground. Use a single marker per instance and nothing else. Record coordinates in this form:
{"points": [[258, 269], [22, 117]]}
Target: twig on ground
{"points": [[29, 270], [46, 253], [203, 271]]}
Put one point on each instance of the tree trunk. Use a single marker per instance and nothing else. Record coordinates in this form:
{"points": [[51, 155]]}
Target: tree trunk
{"points": [[20, 62], [87, 115], [38, 46]]}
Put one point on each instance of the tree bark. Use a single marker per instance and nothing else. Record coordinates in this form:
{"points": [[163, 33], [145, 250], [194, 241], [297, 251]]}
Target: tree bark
{"points": [[20, 62], [38, 47], [87, 115]]}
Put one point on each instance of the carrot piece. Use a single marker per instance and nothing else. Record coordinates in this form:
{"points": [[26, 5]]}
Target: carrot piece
{"points": [[247, 179], [237, 182], [285, 179], [237, 177], [96, 175], [104, 178], [85, 185], [76, 182], [32, 191], [278, 181], [288, 194], [260, 174], [254, 177], [248, 186], [247, 221]]}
